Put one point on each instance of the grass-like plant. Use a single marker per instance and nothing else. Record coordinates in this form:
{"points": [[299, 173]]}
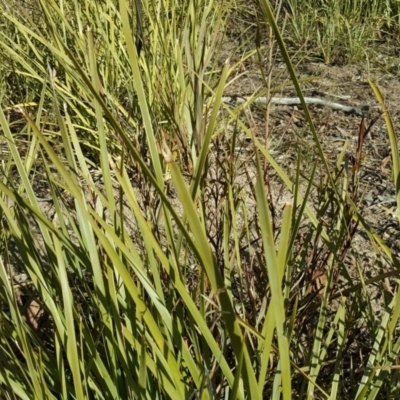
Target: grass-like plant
{"points": [[341, 30], [135, 259]]}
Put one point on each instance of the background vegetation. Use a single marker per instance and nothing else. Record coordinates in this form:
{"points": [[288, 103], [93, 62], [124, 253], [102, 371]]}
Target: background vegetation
{"points": [[141, 255], [341, 31]]}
